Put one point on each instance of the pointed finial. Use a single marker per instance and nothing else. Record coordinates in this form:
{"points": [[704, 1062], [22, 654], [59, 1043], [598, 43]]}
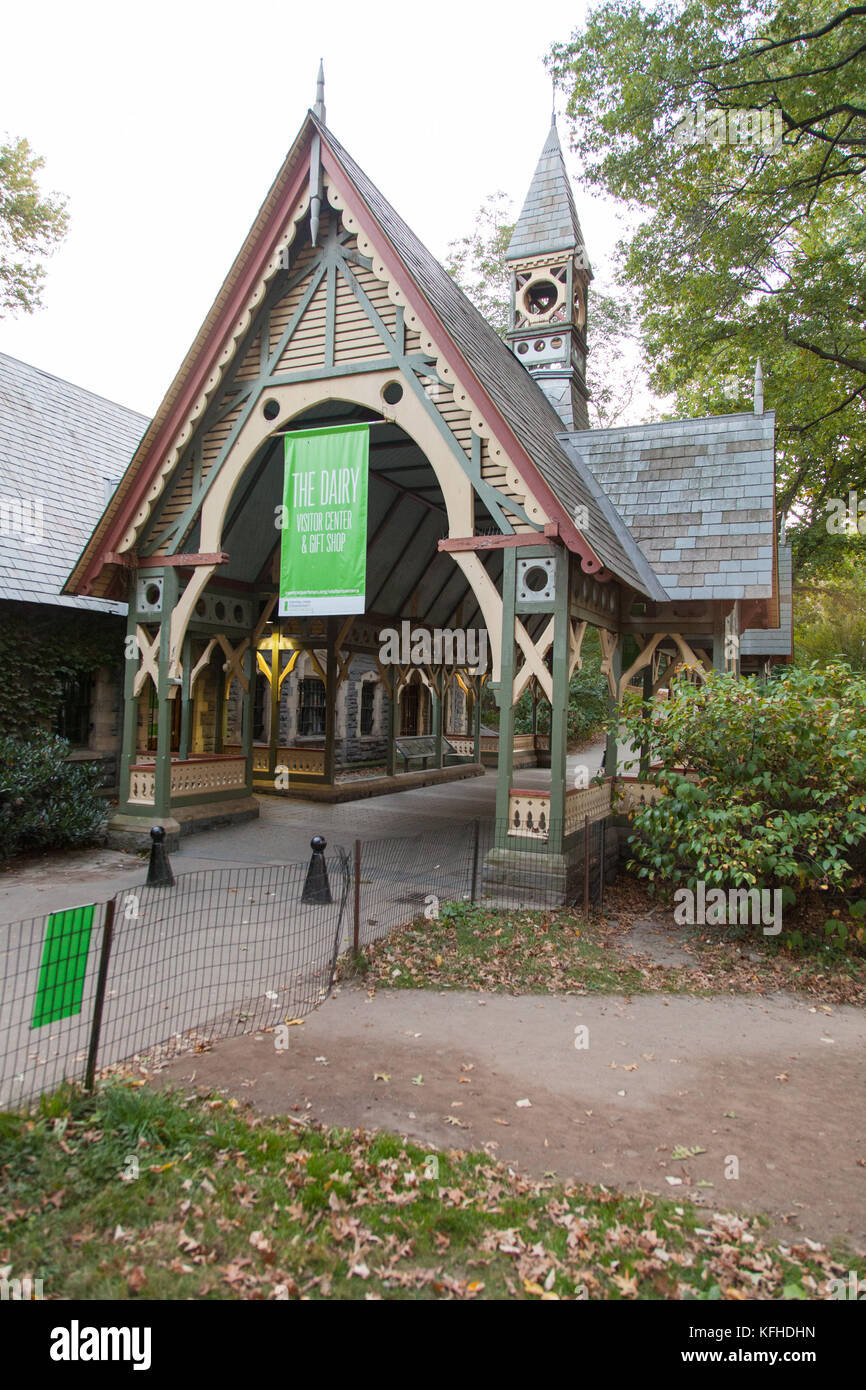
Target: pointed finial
{"points": [[759, 389], [319, 108], [553, 102]]}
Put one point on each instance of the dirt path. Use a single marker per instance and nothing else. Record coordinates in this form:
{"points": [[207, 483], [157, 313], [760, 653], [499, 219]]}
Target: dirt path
{"points": [[776, 1085]]}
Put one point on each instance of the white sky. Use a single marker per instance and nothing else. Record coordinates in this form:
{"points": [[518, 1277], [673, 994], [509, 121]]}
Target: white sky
{"points": [[165, 125]]}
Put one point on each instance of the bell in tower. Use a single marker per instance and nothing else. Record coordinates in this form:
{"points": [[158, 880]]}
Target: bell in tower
{"points": [[550, 275]]}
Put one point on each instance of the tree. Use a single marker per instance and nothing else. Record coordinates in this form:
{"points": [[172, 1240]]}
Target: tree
{"points": [[477, 262], [32, 224], [738, 133], [830, 606]]}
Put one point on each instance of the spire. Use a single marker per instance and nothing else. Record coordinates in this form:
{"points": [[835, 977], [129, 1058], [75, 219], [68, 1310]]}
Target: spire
{"points": [[548, 221], [759, 389], [319, 108]]}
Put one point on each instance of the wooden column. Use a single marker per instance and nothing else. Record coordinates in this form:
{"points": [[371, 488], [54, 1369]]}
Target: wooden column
{"points": [[186, 701], [559, 705], [249, 668], [274, 729], [505, 691], [129, 736], [611, 750], [476, 721], [162, 778], [438, 713], [331, 702]]}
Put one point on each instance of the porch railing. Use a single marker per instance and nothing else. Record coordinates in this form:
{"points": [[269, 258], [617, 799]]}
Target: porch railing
{"points": [[196, 776]]}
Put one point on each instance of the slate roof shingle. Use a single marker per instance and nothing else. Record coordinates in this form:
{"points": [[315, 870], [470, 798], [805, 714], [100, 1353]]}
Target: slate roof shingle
{"points": [[63, 448], [697, 495], [548, 221]]}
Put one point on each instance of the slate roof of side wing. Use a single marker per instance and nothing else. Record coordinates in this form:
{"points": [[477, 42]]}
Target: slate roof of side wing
{"points": [[63, 447], [697, 495]]}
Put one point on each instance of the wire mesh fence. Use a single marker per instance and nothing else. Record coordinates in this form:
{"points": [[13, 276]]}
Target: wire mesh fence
{"points": [[222, 952], [219, 953], [396, 880]]}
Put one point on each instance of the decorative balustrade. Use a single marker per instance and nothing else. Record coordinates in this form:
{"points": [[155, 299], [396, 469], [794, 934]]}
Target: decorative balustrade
{"points": [[209, 774], [296, 759], [529, 812]]}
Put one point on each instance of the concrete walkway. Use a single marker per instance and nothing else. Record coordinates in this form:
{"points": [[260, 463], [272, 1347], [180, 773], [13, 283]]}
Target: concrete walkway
{"points": [[766, 1089], [281, 835]]}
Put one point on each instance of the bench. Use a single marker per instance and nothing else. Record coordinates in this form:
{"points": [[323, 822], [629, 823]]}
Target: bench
{"points": [[420, 746]]}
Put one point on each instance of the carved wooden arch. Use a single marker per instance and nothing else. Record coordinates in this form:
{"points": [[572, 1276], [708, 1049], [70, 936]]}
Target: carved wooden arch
{"points": [[365, 389]]}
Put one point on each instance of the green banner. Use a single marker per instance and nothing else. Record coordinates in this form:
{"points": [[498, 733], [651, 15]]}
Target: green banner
{"points": [[323, 560], [64, 965]]}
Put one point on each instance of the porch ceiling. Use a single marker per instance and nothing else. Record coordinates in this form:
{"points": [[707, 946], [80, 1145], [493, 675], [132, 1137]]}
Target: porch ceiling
{"points": [[407, 575]]}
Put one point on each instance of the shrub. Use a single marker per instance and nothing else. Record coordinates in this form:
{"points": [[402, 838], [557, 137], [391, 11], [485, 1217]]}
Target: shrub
{"points": [[45, 801], [781, 796]]}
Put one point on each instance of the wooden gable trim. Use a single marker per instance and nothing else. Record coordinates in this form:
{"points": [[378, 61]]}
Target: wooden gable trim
{"points": [[446, 348]]}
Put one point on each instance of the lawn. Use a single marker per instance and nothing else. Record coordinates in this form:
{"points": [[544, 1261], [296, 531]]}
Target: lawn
{"points": [[534, 951], [143, 1193]]}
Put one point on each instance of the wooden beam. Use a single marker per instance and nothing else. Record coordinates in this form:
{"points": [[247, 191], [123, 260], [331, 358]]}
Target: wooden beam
{"points": [[131, 561], [491, 542]]}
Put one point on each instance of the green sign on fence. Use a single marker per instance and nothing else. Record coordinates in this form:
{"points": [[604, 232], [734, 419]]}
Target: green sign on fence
{"points": [[323, 561], [64, 965]]}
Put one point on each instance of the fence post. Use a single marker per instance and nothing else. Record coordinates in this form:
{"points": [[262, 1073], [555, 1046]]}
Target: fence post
{"points": [[602, 824], [356, 931], [475, 861], [586, 863], [101, 981]]}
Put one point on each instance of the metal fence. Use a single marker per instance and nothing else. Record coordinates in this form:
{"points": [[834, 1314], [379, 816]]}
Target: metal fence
{"points": [[223, 952], [217, 954], [396, 879]]}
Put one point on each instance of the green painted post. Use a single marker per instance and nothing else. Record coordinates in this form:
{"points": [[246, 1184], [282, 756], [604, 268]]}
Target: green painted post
{"points": [[331, 703], [392, 722], [162, 778], [476, 721], [249, 668], [129, 737], [274, 731], [559, 704], [505, 691], [438, 704], [186, 705], [611, 750]]}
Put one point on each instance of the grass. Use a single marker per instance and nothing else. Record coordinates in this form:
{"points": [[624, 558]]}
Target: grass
{"points": [[532, 951], [519, 952], [141, 1193]]}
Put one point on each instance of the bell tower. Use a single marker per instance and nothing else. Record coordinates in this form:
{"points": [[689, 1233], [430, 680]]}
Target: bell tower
{"points": [[550, 275]]}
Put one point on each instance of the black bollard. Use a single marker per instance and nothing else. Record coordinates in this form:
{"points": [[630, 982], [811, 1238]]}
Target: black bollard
{"points": [[316, 886], [159, 874]]}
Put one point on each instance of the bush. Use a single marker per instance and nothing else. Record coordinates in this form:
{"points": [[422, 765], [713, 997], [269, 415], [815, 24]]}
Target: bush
{"points": [[781, 796], [45, 801]]}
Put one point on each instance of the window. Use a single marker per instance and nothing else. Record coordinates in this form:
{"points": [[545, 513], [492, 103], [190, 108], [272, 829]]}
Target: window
{"points": [[409, 710], [368, 693], [261, 689], [72, 718], [311, 706]]}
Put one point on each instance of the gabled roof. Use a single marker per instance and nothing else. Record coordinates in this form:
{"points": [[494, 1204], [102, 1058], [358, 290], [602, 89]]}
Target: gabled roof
{"points": [[697, 495], [65, 448], [504, 387], [548, 221], [516, 396]]}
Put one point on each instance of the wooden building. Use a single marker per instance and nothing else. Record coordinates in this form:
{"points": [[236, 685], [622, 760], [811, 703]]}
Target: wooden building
{"points": [[492, 507]]}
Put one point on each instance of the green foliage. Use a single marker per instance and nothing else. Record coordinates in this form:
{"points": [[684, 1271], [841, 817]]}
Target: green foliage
{"points": [[38, 650], [477, 261], [45, 801], [781, 797], [587, 700], [31, 226], [830, 609], [739, 250]]}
